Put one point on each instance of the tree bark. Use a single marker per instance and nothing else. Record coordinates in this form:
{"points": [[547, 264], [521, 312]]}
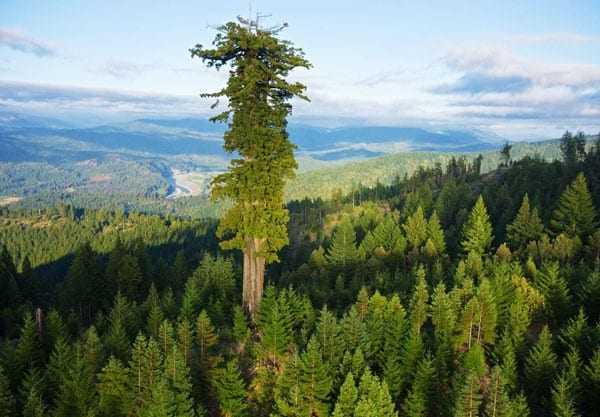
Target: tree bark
{"points": [[254, 275]]}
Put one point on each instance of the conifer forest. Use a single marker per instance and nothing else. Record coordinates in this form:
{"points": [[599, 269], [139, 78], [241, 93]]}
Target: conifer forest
{"points": [[452, 291]]}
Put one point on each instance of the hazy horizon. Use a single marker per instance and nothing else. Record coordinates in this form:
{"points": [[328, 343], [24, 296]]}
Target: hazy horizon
{"points": [[521, 71]]}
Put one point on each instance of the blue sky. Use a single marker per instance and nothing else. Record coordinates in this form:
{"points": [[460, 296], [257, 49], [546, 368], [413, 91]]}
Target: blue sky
{"points": [[521, 69]]}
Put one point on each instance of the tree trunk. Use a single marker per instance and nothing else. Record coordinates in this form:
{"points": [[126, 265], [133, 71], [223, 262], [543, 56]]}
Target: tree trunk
{"points": [[254, 275]]}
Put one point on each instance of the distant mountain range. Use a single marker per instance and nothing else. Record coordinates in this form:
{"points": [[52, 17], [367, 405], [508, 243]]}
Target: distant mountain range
{"points": [[50, 157]]}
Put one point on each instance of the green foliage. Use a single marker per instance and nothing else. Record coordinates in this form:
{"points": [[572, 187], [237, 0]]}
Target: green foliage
{"points": [[575, 214], [346, 401], [114, 393], [374, 398], [304, 386], [469, 399], [258, 95], [477, 231], [7, 400], [416, 229], [526, 227], [231, 391], [540, 370], [342, 251]]}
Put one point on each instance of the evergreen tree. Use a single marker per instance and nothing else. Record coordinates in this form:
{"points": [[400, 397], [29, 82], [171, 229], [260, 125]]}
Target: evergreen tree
{"points": [[342, 252], [477, 232], [419, 397], [540, 370], [29, 347], [555, 290], [231, 391], [160, 402], [374, 398], [7, 400], [178, 378], [315, 381], [205, 335], [346, 402], [562, 400], [526, 227], [498, 403], [591, 383], [77, 394], [129, 276], [185, 337], [190, 303], [275, 326], [416, 229], [575, 214], [114, 393], [470, 398], [117, 340], [33, 405], [435, 236], [572, 148], [258, 95]]}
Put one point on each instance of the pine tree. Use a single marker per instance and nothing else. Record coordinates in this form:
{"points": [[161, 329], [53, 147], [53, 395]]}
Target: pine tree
{"points": [[526, 227], [275, 325], [554, 288], [562, 400], [114, 393], [342, 251], [206, 340], [191, 299], [435, 236], [160, 402], [144, 368], [7, 400], [374, 398], [231, 391], [591, 382], [34, 405], [418, 399], [240, 331], [416, 229], [346, 402], [315, 381], [328, 336], [258, 95], [117, 340], [575, 214], [77, 393], [61, 359], [498, 403], [477, 232], [129, 276], [185, 337], [419, 307], [540, 370], [29, 347], [469, 399], [178, 378], [166, 337]]}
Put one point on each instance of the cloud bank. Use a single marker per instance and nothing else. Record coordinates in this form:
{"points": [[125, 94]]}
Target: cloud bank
{"points": [[21, 42]]}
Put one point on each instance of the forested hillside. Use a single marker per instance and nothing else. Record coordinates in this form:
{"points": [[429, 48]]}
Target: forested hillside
{"points": [[456, 291]]}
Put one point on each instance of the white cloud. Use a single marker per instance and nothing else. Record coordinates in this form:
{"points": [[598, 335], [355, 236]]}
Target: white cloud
{"points": [[21, 42]]}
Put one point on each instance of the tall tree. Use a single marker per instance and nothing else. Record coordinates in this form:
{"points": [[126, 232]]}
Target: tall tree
{"points": [[231, 391], [526, 227], [342, 252], [572, 148], [258, 97], [575, 214], [477, 234]]}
